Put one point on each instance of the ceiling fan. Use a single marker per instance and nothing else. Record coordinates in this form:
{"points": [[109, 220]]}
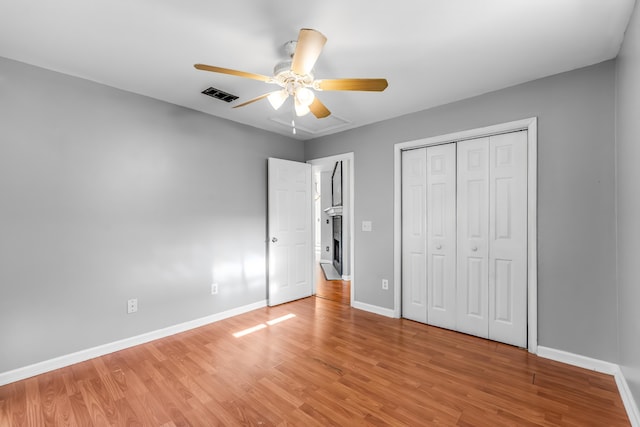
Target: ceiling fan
{"points": [[295, 77]]}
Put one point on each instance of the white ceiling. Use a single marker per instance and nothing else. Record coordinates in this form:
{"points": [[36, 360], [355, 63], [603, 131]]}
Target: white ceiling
{"points": [[431, 52]]}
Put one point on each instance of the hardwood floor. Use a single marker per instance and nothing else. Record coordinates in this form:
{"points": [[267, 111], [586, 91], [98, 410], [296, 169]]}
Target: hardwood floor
{"points": [[323, 363], [334, 290]]}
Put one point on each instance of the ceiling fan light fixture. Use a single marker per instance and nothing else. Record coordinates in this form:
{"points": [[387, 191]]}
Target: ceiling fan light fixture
{"points": [[276, 99], [305, 96], [301, 109]]}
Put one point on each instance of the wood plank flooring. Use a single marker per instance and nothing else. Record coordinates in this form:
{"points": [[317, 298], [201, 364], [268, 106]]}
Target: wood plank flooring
{"points": [[315, 362], [334, 290]]}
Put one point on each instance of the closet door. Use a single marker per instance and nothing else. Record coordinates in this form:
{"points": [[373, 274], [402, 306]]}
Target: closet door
{"points": [[473, 237], [414, 235], [508, 238], [441, 235], [464, 236]]}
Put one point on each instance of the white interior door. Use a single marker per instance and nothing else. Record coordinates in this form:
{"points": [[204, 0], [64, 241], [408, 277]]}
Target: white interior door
{"points": [[290, 231], [508, 238], [473, 237], [441, 235], [414, 235]]}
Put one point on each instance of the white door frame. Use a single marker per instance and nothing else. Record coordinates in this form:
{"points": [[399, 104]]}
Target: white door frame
{"points": [[351, 207], [530, 125]]}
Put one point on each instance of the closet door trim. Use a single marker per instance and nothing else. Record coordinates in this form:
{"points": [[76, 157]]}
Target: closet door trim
{"points": [[530, 125]]}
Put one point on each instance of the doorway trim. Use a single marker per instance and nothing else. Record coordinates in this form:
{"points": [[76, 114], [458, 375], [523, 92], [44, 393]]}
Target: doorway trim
{"points": [[531, 126], [351, 206]]}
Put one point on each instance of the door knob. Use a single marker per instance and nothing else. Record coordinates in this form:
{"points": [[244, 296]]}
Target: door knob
{"points": [[274, 239], [474, 249], [438, 246]]}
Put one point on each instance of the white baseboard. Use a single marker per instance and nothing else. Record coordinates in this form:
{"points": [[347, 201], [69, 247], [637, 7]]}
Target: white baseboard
{"points": [[388, 312], [346, 277], [599, 366], [90, 353], [578, 360], [627, 398]]}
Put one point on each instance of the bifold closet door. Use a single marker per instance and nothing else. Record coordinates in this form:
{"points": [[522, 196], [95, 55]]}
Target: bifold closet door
{"points": [[428, 235], [414, 235], [464, 236], [473, 237], [441, 235], [508, 238], [492, 238]]}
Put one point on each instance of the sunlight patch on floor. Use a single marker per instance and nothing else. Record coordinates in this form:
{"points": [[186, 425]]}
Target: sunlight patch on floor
{"points": [[262, 325]]}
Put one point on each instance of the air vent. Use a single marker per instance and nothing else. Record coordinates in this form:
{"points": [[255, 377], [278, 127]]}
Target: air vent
{"points": [[218, 94]]}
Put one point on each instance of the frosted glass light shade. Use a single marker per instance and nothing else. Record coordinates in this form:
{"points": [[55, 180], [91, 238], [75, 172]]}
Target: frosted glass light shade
{"points": [[305, 96], [301, 109], [276, 99]]}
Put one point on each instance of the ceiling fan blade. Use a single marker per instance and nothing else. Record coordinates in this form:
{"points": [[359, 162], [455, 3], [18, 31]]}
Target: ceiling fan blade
{"points": [[260, 77], [308, 48], [318, 109], [374, 85], [257, 98]]}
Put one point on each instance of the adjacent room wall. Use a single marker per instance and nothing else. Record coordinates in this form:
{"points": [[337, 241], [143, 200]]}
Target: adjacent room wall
{"points": [[105, 196], [346, 219], [326, 245], [628, 202], [576, 218]]}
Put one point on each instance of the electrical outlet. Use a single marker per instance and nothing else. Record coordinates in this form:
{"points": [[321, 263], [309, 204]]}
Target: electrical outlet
{"points": [[385, 284], [214, 289], [132, 305]]}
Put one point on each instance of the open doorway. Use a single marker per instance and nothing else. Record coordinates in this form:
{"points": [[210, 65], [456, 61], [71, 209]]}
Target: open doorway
{"points": [[333, 227]]}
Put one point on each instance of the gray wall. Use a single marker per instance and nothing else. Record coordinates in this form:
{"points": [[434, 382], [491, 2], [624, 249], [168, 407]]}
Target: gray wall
{"points": [[576, 219], [628, 199], [105, 196]]}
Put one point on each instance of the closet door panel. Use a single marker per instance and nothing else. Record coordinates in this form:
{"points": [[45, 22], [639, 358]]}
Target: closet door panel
{"points": [[441, 235], [473, 237], [508, 238], [414, 235]]}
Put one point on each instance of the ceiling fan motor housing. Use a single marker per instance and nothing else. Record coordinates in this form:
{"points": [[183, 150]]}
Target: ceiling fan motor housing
{"points": [[281, 67], [290, 48]]}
